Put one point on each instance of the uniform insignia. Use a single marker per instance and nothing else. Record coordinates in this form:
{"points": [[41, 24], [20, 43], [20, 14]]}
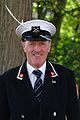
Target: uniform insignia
{"points": [[52, 74], [36, 29], [21, 75], [53, 81]]}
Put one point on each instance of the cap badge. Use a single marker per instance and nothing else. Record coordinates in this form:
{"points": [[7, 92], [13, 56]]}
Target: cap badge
{"points": [[36, 29]]}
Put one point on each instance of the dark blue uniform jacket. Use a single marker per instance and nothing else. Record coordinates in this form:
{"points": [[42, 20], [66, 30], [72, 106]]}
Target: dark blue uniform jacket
{"points": [[59, 99]]}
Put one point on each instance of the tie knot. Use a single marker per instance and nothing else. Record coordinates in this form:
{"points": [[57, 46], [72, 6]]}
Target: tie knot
{"points": [[37, 73]]}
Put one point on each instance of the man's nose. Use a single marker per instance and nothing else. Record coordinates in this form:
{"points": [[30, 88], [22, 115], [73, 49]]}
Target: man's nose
{"points": [[37, 48]]}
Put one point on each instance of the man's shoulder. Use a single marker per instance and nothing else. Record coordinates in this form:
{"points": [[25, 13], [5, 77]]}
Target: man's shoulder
{"points": [[60, 67], [10, 72]]}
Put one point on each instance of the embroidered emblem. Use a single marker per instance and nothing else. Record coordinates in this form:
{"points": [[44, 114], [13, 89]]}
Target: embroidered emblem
{"points": [[52, 74], [21, 75], [36, 29]]}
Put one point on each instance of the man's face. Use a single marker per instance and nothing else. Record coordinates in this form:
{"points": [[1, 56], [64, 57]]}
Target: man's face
{"points": [[36, 52]]}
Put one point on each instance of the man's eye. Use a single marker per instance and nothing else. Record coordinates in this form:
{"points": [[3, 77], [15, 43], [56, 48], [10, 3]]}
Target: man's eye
{"points": [[42, 43], [31, 43]]}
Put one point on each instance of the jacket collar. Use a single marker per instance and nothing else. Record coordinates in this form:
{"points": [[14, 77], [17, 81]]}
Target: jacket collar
{"points": [[50, 84], [23, 68]]}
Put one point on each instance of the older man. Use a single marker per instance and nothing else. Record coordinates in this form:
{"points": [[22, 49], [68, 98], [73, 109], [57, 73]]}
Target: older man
{"points": [[38, 89]]}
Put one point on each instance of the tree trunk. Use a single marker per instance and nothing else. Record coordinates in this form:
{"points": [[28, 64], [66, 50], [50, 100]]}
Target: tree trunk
{"points": [[58, 17], [10, 50]]}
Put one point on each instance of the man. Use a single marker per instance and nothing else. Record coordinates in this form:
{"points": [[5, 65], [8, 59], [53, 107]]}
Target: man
{"points": [[38, 89]]}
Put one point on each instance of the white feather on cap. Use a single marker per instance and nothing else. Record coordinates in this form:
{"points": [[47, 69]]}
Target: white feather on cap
{"points": [[27, 26], [44, 25]]}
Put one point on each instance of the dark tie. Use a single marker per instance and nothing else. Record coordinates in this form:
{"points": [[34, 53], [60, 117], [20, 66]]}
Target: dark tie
{"points": [[38, 85]]}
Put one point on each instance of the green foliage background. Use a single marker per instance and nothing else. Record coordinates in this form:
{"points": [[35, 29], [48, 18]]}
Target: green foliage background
{"points": [[65, 14]]}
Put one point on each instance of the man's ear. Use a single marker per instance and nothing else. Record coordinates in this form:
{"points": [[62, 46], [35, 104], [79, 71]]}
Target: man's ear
{"points": [[49, 47], [22, 43], [23, 46]]}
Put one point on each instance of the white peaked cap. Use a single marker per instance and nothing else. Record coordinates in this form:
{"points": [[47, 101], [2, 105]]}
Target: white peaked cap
{"points": [[27, 26]]}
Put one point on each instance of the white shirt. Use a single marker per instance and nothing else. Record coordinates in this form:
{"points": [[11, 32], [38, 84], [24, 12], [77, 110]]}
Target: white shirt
{"points": [[32, 77]]}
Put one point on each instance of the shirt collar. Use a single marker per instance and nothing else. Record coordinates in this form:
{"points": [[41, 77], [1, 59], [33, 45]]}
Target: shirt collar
{"points": [[31, 69]]}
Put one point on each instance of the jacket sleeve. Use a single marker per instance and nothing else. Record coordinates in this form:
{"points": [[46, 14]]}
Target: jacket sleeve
{"points": [[4, 108], [73, 103]]}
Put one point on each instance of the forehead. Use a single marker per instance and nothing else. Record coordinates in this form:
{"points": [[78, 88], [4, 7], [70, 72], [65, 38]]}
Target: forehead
{"points": [[38, 41]]}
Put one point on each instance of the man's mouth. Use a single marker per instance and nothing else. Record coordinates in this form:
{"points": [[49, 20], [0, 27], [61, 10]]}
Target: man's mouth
{"points": [[37, 54]]}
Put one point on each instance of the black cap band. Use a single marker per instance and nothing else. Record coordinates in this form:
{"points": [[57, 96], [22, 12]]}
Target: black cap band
{"points": [[36, 34]]}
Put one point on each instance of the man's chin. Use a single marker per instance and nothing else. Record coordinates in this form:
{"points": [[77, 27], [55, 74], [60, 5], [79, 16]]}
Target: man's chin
{"points": [[37, 64]]}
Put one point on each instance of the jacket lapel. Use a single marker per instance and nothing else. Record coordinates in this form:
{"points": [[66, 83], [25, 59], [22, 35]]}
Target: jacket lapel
{"points": [[23, 76], [49, 89]]}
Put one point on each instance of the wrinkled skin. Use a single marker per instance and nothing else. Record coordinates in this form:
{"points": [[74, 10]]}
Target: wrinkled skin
{"points": [[36, 52]]}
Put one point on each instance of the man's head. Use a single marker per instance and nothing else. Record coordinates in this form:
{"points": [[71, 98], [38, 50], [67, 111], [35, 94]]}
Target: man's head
{"points": [[36, 40]]}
